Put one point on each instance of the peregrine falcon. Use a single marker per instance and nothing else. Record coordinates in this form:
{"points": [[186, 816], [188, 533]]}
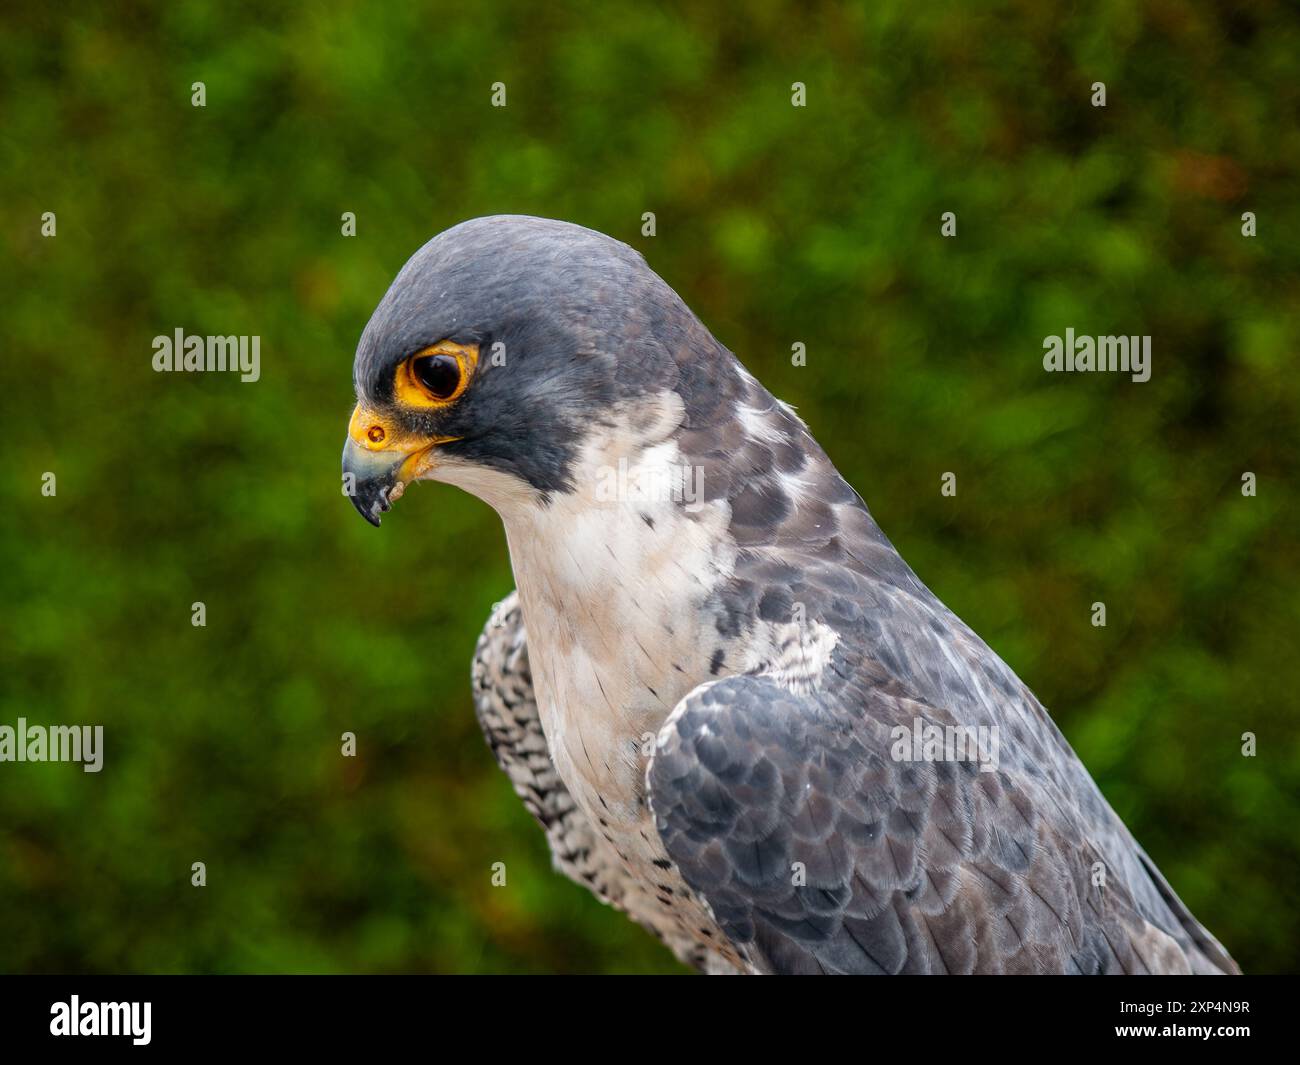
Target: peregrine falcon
{"points": [[735, 710]]}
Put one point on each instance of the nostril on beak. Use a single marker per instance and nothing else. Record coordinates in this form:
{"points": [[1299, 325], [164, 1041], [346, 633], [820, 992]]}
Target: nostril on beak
{"points": [[375, 434]]}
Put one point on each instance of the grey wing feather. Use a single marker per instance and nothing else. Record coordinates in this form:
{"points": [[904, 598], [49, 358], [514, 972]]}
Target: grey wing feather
{"points": [[818, 852]]}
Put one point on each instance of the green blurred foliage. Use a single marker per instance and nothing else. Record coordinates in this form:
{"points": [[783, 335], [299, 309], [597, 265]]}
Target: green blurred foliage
{"points": [[777, 224]]}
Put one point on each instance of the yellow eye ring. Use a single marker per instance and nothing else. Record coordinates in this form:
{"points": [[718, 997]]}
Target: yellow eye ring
{"points": [[436, 376]]}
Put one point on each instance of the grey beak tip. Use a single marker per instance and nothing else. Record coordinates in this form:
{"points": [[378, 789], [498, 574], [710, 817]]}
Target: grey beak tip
{"points": [[374, 478], [370, 504]]}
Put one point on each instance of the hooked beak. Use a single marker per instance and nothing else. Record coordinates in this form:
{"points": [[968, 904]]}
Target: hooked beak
{"points": [[379, 462], [370, 479]]}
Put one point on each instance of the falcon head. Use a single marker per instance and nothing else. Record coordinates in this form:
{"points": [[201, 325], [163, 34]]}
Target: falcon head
{"points": [[502, 346]]}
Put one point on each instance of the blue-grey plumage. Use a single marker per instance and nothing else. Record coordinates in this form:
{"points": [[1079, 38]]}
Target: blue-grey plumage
{"points": [[702, 686]]}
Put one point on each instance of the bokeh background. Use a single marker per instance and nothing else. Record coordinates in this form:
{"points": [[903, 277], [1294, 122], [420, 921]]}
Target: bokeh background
{"points": [[777, 224]]}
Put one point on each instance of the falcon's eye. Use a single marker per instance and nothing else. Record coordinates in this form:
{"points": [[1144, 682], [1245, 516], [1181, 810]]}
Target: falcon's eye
{"points": [[439, 374], [435, 377]]}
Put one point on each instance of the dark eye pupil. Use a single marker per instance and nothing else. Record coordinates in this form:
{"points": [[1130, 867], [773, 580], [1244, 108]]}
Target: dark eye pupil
{"points": [[440, 374]]}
